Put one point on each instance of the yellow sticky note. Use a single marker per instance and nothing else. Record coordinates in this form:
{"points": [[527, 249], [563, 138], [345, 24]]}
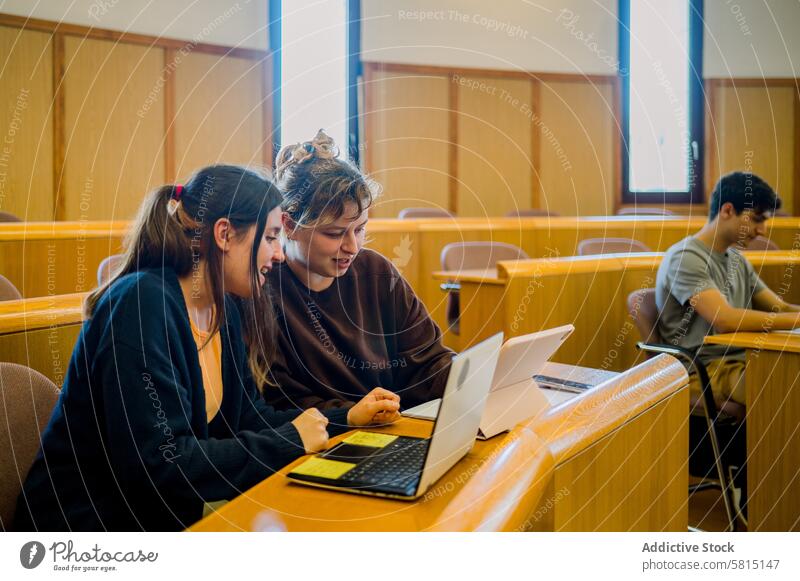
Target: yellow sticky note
{"points": [[370, 439], [323, 468]]}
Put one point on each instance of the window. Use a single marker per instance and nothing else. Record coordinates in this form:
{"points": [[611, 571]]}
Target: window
{"points": [[316, 67], [662, 101]]}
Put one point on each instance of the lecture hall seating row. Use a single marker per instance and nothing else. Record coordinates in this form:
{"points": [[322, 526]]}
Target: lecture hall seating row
{"points": [[37, 266]]}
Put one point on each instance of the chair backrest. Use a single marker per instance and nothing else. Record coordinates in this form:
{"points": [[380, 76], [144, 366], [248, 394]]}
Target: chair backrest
{"points": [[475, 255], [416, 213], [644, 312], [9, 217], [761, 243], [610, 246], [530, 212], [27, 399], [636, 211], [106, 268], [8, 292]]}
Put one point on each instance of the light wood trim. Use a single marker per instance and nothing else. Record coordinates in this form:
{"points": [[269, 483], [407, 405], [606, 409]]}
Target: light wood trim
{"points": [[616, 138], [169, 119], [763, 82], [453, 145], [479, 72], [560, 266], [17, 231], [576, 424], [796, 193], [41, 313], [59, 126], [621, 262], [775, 341], [266, 112], [712, 145], [472, 275], [536, 145], [127, 37], [367, 159], [502, 495]]}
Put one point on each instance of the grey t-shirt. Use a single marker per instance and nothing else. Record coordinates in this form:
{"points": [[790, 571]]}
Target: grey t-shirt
{"points": [[690, 267]]}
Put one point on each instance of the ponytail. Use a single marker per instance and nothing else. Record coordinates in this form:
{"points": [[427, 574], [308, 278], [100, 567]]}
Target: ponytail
{"points": [[174, 229]]}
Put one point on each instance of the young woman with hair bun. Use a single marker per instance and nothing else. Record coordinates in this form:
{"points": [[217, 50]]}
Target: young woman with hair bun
{"points": [[347, 320]]}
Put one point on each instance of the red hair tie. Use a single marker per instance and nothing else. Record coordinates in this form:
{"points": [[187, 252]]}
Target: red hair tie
{"points": [[176, 195]]}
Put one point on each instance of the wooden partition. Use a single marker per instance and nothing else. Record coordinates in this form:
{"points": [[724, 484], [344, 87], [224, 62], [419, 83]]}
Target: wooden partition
{"points": [[414, 246], [588, 292], [636, 425], [97, 117], [40, 333], [562, 471], [55, 258]]}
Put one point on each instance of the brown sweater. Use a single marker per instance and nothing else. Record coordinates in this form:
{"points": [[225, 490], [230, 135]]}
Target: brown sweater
{"points": [[368, 329]]}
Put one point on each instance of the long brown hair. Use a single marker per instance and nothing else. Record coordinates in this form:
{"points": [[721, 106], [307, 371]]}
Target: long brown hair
{"points": [[174, 228], [316, 184]]}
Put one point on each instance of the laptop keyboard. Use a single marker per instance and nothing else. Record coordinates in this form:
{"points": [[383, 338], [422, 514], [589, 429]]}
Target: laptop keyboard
{"points": [[398, 465]]}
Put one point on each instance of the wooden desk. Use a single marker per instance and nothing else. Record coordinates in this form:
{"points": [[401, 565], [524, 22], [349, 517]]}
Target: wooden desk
{"points": [[772, 382], [295, 507], [41, 332], [613, 458]]}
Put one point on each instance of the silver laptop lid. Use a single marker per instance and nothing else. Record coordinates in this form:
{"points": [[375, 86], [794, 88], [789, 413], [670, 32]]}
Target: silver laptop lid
{"points": [[523, 357], [459, 417]]}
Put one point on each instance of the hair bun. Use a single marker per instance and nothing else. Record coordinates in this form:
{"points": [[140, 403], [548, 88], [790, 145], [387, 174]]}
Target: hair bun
{"points": [[324, 146]]}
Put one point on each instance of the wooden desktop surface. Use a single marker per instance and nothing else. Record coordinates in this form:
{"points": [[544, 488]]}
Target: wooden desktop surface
{"points": [[613, 458], [772, 381], [288, 506]]}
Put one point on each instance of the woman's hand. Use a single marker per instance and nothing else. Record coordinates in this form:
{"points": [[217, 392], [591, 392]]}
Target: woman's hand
{"points": [[380, 406], [313, 429]]}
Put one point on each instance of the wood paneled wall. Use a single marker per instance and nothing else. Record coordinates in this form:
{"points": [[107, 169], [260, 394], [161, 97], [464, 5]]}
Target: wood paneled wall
{"points": [[754, 125], [407, 119], [26, 122], [510, 139], [98, 117], [487, 142]]}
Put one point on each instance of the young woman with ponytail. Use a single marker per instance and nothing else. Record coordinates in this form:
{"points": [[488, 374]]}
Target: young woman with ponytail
{"points": [[348, 321], [160, 411]]}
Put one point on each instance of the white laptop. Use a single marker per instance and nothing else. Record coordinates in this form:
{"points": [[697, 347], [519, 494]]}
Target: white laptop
{"points": [[403, 467], [515, 396]]}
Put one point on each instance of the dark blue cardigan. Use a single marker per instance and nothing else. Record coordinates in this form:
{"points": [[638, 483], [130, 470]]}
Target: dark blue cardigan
{"points": [[128, 446]]}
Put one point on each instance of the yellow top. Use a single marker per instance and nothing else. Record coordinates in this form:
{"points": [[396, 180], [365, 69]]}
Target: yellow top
{"points": [[211, 364]]}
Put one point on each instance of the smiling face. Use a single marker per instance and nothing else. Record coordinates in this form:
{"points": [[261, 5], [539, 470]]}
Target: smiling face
{"points": [[328, 249], [237, 248]]}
